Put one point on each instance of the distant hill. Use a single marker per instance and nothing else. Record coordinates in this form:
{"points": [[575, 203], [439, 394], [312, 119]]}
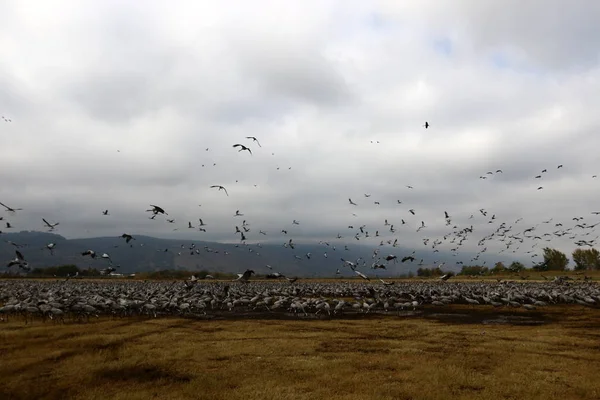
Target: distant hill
{"points": [[147, 253]]}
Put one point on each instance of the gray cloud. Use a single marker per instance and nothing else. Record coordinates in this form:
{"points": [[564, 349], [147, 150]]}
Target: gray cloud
{"points": [[114, 108]]}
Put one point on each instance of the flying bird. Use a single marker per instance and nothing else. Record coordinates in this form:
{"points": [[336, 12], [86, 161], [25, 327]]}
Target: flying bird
{"points": [[426, 125], [362, 275], [51, 226], [242, 148], [255, 139], [157, 210], [50, 246], [220, 188], [245, 276], [90, 253], [127, 237], [10, 209]]}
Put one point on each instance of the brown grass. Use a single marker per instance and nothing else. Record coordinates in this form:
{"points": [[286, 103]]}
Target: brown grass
{"points": [[369, 358]]}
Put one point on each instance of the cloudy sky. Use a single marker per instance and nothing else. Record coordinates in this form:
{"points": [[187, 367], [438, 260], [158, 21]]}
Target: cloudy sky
{"points": [[126, 103]]}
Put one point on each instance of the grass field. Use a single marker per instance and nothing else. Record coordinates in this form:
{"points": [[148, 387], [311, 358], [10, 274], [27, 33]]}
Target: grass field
{"points": [[377, 357]]}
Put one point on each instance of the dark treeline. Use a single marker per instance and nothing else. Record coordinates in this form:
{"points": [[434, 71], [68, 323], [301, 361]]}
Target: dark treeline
{"points": [[554, 260]]}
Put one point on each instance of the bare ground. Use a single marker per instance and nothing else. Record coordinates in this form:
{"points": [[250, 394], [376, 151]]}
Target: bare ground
{"points": [[458, 352]]}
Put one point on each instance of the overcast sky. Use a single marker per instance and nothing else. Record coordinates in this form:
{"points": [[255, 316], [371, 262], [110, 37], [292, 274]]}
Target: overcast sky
{"points": [[113, 106]]}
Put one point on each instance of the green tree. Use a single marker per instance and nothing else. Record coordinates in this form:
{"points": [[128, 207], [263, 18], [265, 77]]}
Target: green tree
{"points": [[499, 267], [586, 259], [473, 270], [555, 260], [516, 266]]}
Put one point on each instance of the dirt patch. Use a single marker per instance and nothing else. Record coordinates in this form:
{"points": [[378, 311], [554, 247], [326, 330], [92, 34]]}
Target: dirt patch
{"points": [[488, 318], [141, 374]]}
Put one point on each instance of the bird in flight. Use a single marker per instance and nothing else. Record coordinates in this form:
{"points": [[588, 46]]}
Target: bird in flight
{"points": [[242, 148], [51, 226], [426, 125], [351, 202], [10, 208], [90, 253], [362, 275], [127, 237], [220, 188], [255, 139], [50, 247], [105, 212], [157, 210], [19, 260]]}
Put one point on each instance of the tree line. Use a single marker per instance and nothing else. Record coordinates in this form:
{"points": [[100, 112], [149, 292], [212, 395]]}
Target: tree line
{"points": [[554, 260]]}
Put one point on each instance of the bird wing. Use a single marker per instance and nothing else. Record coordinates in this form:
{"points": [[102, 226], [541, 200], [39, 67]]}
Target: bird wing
{"points": [[157, 208], [19, 255], [46, 222], [255, 139]]}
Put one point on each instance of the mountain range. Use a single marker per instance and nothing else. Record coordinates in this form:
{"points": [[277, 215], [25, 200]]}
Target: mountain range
{"points": [[145, 253]]}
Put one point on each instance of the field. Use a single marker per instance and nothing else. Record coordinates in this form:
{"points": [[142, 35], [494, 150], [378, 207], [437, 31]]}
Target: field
{"points": [[459, 352]]}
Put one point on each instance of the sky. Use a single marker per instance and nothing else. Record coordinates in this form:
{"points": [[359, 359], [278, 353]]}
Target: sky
{"points": [[123, 104]]}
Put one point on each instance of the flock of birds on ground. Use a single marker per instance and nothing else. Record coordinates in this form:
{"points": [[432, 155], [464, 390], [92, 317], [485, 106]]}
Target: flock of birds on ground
{"points": [[514, 237], [58, 300]]}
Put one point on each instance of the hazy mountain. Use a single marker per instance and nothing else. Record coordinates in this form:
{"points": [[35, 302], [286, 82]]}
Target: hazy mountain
{"points": [[146, 253]]}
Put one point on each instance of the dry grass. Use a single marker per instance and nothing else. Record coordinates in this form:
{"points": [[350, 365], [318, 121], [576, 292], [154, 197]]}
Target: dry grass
{"points": [[368, 358]]}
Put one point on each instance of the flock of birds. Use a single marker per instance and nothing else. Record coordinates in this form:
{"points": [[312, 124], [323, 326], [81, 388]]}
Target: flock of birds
{"points": [[514, 237], [45, 298], [59, 301]]}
